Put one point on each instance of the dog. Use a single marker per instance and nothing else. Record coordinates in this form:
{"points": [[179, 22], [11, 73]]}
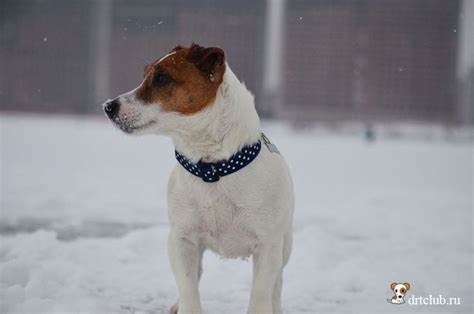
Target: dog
{"points": [[399, 290], [231, 191]]}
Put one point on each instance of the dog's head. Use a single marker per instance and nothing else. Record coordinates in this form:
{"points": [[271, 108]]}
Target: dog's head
{"points": [[400, 289], [182, 83]]}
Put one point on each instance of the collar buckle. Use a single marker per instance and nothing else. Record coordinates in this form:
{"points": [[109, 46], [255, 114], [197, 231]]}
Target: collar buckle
{"points": [[209, 172]]}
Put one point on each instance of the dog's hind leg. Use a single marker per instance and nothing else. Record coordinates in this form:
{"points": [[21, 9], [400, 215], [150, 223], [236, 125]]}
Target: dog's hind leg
{"points": [[276, 297]]}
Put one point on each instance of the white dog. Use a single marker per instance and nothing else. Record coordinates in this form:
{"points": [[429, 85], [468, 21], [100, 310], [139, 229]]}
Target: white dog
{"points": [[231, 191], [399, 290]]}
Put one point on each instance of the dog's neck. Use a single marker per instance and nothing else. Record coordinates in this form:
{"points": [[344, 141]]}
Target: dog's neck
{"points": [[227, 125]]}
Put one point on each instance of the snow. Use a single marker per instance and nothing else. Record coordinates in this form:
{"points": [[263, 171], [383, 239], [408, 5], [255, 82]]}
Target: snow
{"points": [[84, 224]]}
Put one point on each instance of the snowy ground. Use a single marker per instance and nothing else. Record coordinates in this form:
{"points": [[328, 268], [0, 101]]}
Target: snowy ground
{"points": [[83, 222]]}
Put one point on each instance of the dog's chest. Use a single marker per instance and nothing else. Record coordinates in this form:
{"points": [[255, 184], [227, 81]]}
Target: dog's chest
{"points": [[225, 228]]}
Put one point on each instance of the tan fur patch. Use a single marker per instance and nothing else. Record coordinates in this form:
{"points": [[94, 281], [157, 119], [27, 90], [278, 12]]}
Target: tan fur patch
{"points": [[194, 75]]}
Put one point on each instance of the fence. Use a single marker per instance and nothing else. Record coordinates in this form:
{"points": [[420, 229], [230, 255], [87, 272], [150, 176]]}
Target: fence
{"points": [[334, 59]]}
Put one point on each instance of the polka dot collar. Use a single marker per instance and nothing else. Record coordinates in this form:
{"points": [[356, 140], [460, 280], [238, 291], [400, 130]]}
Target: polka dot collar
{"points": [[211, 172]]}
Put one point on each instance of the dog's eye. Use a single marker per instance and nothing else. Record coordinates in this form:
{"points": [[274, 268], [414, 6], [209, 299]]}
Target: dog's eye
{"points": [[396, 290], [161, 79]]}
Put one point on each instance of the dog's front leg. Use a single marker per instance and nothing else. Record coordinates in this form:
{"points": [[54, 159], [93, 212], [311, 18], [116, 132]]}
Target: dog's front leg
{"points": [[267, 266], [184, 258]]}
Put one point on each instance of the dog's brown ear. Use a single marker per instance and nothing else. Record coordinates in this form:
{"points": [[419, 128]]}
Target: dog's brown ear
{"points": [[392, 285], [208, 60], [407, 285]]}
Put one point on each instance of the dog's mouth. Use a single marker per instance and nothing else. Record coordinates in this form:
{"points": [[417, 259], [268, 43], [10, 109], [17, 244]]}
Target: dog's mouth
{"points": [[142, 126], [127, 128]]}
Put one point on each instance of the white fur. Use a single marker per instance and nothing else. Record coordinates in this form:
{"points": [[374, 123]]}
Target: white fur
{"points": [[246, 213]]}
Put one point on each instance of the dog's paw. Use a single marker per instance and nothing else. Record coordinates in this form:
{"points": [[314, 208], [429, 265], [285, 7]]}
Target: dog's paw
{"points": [[174, 309]]}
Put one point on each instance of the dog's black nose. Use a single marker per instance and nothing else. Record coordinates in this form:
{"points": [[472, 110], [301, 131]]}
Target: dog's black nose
{"points": [[400, 296], [111, 108]]}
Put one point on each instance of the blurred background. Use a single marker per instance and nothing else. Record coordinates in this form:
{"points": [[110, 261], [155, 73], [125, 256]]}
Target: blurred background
{"points": [[377, 94], [365, 60]]}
